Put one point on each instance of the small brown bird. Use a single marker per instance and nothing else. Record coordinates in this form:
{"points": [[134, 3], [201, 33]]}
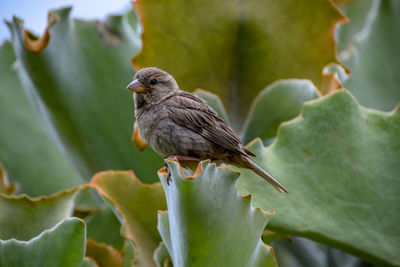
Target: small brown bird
{"points": [[179, 124]]}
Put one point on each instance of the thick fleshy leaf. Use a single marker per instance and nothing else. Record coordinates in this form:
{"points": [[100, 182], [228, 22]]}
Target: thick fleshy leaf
{"points": [[162, 257], [63, 245], [340, 72], [333, 77], [89, 262], [138, 203], [102, 254], [23, 218], [236, 48], [104, 218], [373, 55], [208, 223], [22, 139], [78, 79], [270, 236], [305, 252], [340, 163], [278, 102], [128, 254], [357, 12]]}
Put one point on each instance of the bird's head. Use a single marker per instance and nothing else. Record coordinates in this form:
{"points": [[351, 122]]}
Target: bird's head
{"points": [[152, 81]]}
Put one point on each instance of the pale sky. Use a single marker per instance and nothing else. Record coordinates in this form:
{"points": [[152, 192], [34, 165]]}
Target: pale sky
{"points": [[34, 12]]}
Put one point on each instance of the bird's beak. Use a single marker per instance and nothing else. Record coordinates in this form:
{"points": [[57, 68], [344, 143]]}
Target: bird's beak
{"points": [[136, 86]]}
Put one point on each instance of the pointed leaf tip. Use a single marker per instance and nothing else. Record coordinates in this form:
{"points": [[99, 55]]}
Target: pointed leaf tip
{"points": [[37, 45], [330, 83]]}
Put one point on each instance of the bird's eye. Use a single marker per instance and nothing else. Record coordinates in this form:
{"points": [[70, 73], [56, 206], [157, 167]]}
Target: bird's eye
{"points": [[153, 81]]}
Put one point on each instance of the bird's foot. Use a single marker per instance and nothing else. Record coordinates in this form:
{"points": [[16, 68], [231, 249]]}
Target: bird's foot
{"points": [[187, 162], [184, 161], [168, 173]]}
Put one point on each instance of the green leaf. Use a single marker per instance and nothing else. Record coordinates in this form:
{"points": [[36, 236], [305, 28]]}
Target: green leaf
{"points": [[102, 254], [357, 12], [138, 203], [63, 245], [304, 252], [340, 72], [270, 236], [208, 223], [89, 262], [279, 102], [78, 79], [23, 218], [373, 55], [22, 138], [162, 257], [237, 47], [128, 254], [340, 163], [104, 218]]}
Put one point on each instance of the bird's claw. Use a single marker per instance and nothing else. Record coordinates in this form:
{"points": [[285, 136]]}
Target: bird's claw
{"points": [[168, 173]]}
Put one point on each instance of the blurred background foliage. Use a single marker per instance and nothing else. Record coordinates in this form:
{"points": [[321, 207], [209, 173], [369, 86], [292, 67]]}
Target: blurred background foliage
{"points": [[65, 115]]}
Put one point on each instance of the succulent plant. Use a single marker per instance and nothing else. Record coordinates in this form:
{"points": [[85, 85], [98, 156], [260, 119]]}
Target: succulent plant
{"points": [[292, 81]]}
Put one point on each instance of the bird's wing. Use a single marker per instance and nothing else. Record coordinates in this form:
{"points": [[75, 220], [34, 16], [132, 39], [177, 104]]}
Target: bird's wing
{"points": [[195, 114]]}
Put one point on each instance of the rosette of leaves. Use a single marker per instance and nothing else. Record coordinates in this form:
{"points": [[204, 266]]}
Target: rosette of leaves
{"points": [[65, 102]]}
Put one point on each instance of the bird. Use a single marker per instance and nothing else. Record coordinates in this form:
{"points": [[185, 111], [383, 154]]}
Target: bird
{"points": [[176, 123]]}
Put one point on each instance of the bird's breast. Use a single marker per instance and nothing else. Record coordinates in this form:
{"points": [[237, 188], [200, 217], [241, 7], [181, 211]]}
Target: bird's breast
{"points": [[155, 127], [149, 121]]}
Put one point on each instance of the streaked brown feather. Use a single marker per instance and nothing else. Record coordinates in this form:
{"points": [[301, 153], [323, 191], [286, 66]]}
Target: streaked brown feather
{"points": [[194, 113]]}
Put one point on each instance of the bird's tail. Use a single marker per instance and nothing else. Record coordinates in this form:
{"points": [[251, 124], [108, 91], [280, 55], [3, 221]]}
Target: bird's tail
{"points": [[266, 176]]}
